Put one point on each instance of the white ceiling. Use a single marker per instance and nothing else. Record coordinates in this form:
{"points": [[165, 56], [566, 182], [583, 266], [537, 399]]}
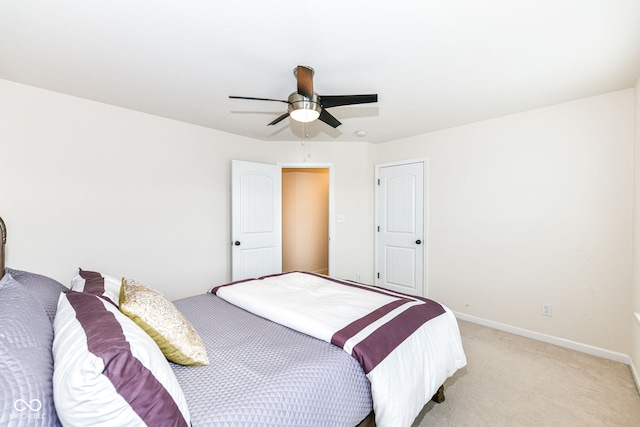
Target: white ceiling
{"points": [[434, 63]]}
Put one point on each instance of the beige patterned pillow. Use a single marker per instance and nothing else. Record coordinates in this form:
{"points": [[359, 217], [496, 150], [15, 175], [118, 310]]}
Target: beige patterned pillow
{"points": [[159, 318]]}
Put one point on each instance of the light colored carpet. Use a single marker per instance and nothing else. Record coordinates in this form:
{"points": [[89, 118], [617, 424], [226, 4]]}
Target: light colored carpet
{"points": [[510, 380]]}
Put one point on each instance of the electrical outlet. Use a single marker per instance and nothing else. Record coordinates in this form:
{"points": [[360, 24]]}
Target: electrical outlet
{"points": [[547, 309], [358, 277]]}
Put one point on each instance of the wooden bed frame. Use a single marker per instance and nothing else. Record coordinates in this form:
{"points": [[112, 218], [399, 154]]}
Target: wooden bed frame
{"points": [[369, 421], [3, 241]]}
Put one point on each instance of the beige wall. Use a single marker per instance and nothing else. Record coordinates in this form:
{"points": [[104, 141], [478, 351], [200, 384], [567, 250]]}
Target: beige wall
{"points": [[635, 299], [305, 220], [531, 208], [84, 184]]}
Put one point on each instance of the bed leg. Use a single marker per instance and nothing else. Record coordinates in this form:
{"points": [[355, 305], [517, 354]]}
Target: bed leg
{"points": [[370, 421], [439, 396]]}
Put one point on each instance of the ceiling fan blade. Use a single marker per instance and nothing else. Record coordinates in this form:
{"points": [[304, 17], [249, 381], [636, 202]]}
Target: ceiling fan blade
{"points": [[304, 75], [326, 117], [279, 119], [328, 101], [257, 99]]}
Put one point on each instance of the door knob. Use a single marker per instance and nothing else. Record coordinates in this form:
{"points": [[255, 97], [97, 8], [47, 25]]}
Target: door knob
{"points": [[418, 241], [237, 243]]}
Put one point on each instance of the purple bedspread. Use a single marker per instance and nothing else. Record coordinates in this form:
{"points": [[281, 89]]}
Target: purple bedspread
{"points": [[264, 374]]}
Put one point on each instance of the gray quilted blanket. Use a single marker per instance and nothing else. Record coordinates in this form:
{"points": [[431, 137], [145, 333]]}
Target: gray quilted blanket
{"points": [[264, 374]]}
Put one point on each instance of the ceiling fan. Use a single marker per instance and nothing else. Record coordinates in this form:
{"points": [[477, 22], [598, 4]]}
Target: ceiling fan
{"points": [[306, 106]]}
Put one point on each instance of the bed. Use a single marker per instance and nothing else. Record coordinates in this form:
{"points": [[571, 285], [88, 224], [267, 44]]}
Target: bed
{"points": [[62, 363]]}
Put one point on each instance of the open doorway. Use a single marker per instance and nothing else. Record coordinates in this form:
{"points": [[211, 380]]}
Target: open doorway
{"points": [[306, 211], [257, 221]]}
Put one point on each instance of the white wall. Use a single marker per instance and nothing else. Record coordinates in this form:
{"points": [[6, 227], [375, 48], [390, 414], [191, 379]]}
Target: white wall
{"points": [[84, 184], [530, 208]]}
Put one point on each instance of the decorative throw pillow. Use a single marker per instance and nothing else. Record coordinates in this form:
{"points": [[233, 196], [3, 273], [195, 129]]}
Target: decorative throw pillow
{"points": [[108, 371], [98, 284], [173, 333], [26, 363], [43, 289]]}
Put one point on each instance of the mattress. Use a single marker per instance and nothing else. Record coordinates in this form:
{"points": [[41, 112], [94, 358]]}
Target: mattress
{"points": [[407, 345], [264, 374]]}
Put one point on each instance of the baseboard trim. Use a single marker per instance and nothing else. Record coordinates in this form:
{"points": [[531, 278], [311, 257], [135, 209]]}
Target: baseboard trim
{"points": [[573, 345]]}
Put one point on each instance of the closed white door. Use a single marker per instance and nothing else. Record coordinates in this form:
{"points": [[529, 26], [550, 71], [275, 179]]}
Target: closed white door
{"points": [[400, 235], [256, 220]]}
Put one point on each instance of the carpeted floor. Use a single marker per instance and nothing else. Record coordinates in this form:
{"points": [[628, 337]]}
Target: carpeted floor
{"points": [[515, 381]]}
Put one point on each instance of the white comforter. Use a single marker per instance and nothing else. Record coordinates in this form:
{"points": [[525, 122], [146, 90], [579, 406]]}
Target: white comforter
{"points": [[372, 325]]}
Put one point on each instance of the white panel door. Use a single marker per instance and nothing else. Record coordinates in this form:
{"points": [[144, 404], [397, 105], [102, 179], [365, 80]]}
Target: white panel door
{"points": [[400, 249], [256, 220]]}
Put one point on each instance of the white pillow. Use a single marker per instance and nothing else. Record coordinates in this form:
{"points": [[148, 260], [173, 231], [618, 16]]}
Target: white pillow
{"points": [[98, 284], [108, 371]]}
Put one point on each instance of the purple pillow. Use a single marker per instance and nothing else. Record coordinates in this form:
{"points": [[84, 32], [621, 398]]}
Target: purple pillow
{"points": [[43, 289], [26, 362]]}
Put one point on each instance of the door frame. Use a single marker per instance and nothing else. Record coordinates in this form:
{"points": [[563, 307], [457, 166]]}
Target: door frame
{"points": [[425, 218], [329, 166]]}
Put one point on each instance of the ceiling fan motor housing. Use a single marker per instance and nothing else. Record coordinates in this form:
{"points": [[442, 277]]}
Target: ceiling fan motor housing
{"points": [[304, 109]]}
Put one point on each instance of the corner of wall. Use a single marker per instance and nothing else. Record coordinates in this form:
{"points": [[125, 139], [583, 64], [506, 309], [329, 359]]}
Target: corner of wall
{"points": [[635, 286]]}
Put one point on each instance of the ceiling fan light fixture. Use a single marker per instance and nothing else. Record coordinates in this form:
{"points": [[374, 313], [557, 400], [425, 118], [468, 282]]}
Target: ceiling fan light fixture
{"points": [[303, 109], [304, 116]]}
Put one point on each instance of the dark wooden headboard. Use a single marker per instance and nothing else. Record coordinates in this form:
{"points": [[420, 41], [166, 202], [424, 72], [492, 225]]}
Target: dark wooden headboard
{"points": [[3, 233]]}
